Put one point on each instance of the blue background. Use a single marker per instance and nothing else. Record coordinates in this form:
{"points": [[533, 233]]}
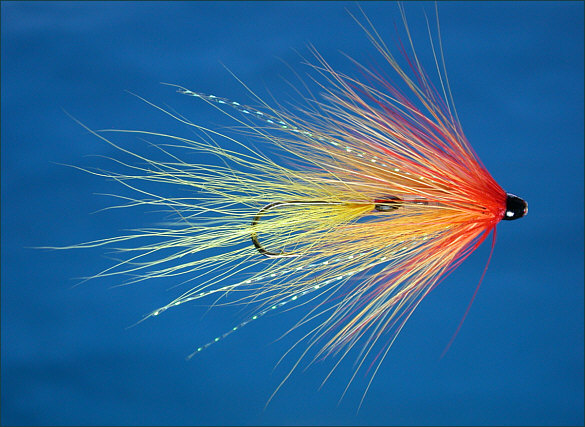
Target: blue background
{"points": [[516, 71]]}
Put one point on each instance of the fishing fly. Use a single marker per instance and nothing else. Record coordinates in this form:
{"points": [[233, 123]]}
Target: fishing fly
{"points": [[363, 200]]}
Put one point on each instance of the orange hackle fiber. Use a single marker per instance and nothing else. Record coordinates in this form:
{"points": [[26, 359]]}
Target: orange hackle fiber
{"points": [[381, 198]]}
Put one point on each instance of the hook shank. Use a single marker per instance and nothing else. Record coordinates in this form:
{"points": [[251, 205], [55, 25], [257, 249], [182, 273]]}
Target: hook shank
{"points": [[381, 205]]}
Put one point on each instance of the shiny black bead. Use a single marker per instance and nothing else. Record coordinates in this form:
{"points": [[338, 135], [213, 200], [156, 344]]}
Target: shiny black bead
{"points": [[515, 207]]}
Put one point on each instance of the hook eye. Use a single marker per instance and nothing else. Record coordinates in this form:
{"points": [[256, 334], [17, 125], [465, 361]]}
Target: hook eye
{"points": [[387, 204]]}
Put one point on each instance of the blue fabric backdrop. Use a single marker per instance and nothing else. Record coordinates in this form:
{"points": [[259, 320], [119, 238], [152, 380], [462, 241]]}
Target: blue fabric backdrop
{"points": [[68, 356]]}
